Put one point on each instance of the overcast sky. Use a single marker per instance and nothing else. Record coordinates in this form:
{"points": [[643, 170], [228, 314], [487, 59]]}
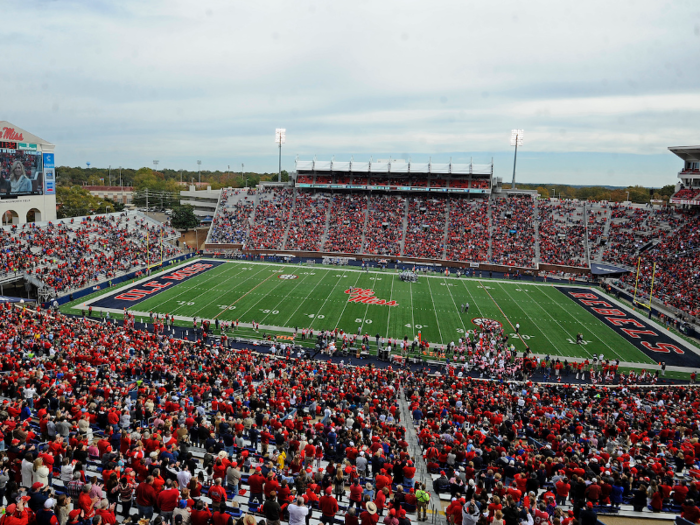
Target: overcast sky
{"points": [[601, 88]]}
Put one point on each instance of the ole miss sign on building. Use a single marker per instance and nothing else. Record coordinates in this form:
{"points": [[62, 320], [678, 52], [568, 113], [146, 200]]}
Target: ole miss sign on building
{"points": [[651, 339]]}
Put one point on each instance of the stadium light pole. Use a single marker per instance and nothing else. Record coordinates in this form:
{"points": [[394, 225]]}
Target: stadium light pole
{"points": [[280, 138], [155, 165], [628, 196], [199, 170], [516, 139]]}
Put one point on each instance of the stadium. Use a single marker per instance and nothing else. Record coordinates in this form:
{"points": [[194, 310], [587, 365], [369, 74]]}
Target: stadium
{"points": [[389, 338]]}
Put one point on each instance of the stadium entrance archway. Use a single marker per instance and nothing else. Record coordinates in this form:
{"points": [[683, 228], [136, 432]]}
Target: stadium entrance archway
{"points": [[10, 217], [34, 215]]}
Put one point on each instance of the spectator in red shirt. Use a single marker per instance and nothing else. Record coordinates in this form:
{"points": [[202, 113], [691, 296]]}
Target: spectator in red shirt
{"points": [[329, 506], [146, 498], [201, 514]]}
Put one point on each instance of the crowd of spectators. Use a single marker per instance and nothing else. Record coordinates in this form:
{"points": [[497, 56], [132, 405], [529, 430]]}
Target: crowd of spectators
{"points": [[562, 233], [677, 259], [513, 232], [468, 236], [385, 225], [552, 451], [308, 222], [103, 422], [598, 217], [628, 232], [425, 233], [70, 254], [207, 431], [232, 218], [271, 216], [348, 214]]}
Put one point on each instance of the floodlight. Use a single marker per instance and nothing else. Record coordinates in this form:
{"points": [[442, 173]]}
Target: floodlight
{"points": [[516, 137], [280, 136]]}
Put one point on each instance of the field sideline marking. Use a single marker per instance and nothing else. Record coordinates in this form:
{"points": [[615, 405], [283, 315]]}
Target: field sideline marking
{"points": [[391, 296], [455, 303], [435, 312], [359, 274], [584, 327]]}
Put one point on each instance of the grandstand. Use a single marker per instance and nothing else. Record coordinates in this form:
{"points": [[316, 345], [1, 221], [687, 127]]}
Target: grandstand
{"points": [[688, 188], [65, 256], [135, 419]]}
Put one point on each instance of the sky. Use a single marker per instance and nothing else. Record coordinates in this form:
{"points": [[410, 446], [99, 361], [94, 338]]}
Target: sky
{"points": [[601, 88]]}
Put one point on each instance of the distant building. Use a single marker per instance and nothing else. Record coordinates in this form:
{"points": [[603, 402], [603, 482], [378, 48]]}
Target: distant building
{"points": [[688, 187], [204, 202], [120, 194]]}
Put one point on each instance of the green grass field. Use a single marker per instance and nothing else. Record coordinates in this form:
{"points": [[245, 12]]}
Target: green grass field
{"points": [[549, 321]]}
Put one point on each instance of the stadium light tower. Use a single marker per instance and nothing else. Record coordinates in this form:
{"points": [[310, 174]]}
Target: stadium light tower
{"points": [[199, 170], [516, 139], [280, 138], [155, 165]]}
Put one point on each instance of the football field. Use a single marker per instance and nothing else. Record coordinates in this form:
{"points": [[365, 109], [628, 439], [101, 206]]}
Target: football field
{"points": [[282, 297]]}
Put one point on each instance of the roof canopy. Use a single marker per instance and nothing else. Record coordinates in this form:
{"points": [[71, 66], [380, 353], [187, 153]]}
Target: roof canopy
{"points": [[687, 153], [396, 167]]}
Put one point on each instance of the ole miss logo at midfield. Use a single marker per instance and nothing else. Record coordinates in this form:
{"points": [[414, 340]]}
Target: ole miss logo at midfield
{"points": [[366, 296]]}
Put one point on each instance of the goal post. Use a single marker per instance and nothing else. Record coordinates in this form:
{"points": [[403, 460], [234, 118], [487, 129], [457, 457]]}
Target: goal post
{"points": [[637, 302]]}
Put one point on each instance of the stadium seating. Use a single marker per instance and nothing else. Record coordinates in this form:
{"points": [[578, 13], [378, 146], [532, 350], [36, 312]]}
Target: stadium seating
{"points": [[425, 234], [348, 214], [72, 254], [513, 234], [100, 411], [232, 218], [271, 217], [562, 234], [308, 222], [385, 225], [468, 234], [687, 194]]}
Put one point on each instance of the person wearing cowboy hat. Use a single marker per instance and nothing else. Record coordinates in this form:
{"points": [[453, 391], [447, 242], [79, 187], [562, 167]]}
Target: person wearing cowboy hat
{"points": [[369, 516]]}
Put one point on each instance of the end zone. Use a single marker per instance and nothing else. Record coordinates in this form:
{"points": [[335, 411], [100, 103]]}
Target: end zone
{"points": [[648, 338]]}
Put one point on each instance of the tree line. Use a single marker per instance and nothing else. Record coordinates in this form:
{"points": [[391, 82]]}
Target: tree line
{"points": [[637, 194]]}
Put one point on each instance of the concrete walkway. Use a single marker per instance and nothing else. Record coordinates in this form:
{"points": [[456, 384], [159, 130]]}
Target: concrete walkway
{"points": [[435, 513]]}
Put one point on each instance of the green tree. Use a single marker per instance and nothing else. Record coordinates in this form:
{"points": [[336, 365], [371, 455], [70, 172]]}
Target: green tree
{"points": [[183, 218]]}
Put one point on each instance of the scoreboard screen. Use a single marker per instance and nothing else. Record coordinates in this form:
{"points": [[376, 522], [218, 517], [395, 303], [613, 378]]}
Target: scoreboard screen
{"points": [[21, 172]]}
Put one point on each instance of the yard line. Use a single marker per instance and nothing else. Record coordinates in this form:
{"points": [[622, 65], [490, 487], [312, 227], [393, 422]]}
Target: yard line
{"points": [[346, 302], [481, 314], [187, 289], [328, 272], [579, 322], [391, 296], [435, 312], [544, 332], [285, 297], [455, 303], [237, 274], [248, 292], [413, 320]]}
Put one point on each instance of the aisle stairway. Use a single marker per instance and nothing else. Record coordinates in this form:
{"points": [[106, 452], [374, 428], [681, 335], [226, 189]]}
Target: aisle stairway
{"points": [[405, 225]]}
